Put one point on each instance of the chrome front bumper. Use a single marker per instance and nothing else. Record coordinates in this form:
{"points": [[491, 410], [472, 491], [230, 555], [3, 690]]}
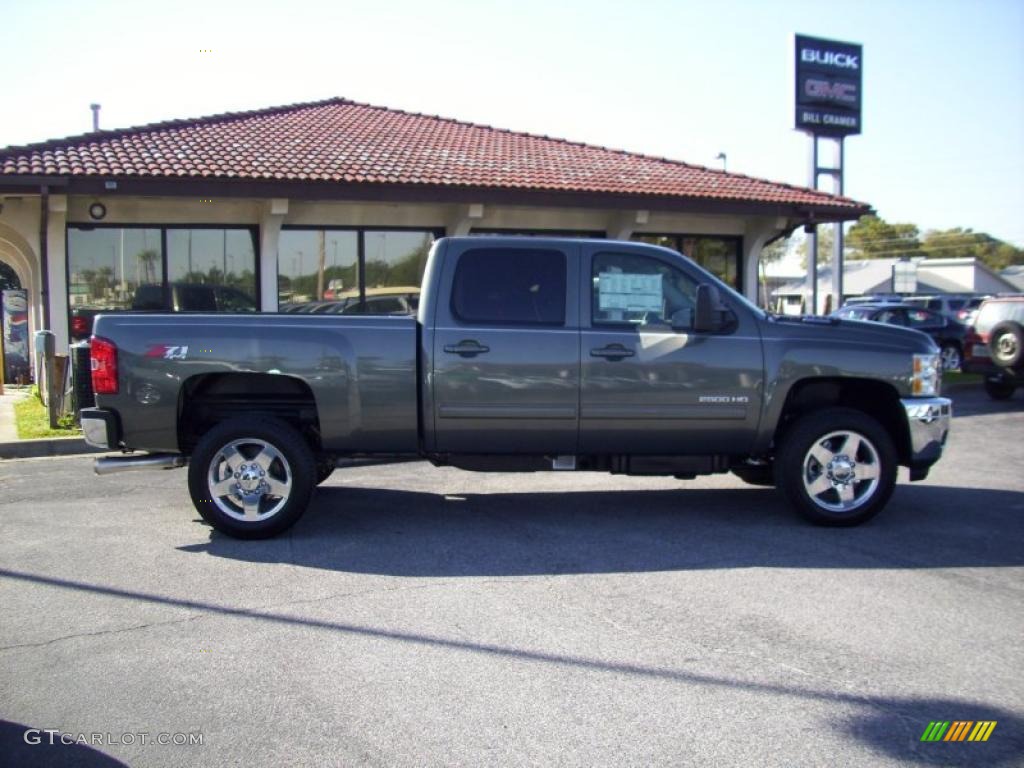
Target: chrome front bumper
{"points": [[928, 421]]}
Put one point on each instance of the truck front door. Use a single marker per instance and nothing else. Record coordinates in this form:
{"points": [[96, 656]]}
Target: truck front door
{"points": [[651, 384], [505, 352]]}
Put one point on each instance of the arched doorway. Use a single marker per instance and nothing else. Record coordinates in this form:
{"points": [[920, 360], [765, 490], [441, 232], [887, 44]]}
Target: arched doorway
{"points": [[19, 268]]}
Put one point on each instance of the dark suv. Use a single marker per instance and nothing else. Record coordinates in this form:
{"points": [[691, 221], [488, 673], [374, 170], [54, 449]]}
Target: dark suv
{"points": [[947, 333], [994, 345]]}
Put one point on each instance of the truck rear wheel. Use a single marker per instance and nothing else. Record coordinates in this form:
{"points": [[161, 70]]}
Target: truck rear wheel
{"points": [[999, 390], [837, 466], [251, 480]]}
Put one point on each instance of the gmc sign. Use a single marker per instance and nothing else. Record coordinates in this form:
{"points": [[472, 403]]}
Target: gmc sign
{"points": [[828, 86]]}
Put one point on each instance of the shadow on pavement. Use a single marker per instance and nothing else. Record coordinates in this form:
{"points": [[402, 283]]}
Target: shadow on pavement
{"points": [[402, 533], [889, 725], [17, 751], [893, 727]]}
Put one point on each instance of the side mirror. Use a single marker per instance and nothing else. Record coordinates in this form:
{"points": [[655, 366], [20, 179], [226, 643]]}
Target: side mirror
{"points": [[711, 314]]}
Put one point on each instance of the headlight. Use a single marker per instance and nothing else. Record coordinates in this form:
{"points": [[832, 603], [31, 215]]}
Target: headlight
{"points": [[927, 375]]}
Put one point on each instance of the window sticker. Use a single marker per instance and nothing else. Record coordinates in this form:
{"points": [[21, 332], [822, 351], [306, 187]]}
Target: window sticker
{"points": [[629, 292]]}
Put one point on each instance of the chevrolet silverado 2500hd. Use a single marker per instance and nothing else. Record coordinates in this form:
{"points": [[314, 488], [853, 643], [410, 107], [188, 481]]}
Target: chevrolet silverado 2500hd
{"points": [[526, 354]]}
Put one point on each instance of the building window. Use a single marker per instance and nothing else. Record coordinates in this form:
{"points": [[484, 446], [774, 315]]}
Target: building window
{"points": [[718, 255], [316, 265], [107, 265], [158, 268], [352, 271], [222, 259]]}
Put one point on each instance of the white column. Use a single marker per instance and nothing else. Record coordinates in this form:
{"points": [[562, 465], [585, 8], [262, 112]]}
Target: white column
{"points": [[56, 263], [622, 224], [461, 222], [758, 233], [270, 233]]}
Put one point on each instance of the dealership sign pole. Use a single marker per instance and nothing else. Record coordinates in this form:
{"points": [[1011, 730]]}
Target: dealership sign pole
{"points": [[828, 105]]}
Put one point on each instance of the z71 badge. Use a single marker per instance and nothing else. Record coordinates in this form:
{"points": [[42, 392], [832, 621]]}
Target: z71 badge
{"points": [[168, 352]]}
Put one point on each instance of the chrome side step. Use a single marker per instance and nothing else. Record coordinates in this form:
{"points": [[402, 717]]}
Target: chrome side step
{"points": [[108, 465]]}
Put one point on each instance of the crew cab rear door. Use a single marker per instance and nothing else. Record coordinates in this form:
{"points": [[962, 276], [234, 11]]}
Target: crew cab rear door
{"points": [[505, 353], [649, 383]]}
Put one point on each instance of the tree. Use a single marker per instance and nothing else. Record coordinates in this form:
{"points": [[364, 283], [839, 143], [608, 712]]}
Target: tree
{"points": [[826, 238], [875, 238], [148, 259], [775, 251], [965, 243]]}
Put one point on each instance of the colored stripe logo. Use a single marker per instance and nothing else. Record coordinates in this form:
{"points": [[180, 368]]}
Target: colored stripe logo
{"points": [[958, 730]]}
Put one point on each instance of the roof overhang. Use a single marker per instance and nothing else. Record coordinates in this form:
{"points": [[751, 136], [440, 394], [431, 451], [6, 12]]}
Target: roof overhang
{"points": [[195, 186]]}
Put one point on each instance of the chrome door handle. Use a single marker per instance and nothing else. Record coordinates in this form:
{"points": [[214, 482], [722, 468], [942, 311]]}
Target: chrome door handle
{"points": [[466, 348], [612, 352]]}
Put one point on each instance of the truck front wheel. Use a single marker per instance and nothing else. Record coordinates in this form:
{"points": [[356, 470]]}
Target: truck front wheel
{"points": [[837, 466], [251, 480]]}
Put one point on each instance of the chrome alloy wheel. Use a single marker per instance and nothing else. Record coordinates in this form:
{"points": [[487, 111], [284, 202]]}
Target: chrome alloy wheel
{"points": [[951, 360], [249, 480], [841, 471], [1006, 347]]}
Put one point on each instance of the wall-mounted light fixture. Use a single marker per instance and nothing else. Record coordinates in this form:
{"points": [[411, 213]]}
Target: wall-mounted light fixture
{"points": [[97, 211]]}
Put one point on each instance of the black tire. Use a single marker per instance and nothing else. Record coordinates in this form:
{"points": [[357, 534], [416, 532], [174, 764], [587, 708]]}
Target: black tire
{"points": [[274, 457], [952, 356], [754, 475], [1006, 344], [999, 390], [846, 496]]}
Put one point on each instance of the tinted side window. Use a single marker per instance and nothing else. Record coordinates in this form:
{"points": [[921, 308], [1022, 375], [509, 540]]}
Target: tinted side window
{"points": [[640, 290], [510, 286], [891, 316], [922, 318]]}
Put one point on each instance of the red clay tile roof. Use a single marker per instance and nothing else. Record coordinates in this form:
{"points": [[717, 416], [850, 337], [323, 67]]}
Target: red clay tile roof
{"points": [[342, 141]]}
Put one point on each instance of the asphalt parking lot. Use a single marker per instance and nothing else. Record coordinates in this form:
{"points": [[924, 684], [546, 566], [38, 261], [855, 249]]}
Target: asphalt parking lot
{"points": [[419, 616]]}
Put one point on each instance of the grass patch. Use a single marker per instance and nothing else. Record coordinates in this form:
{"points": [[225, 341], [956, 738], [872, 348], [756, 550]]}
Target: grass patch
{"points": [[959, 377], [32, 421]]}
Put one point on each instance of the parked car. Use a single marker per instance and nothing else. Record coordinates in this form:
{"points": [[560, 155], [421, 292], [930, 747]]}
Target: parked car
{"points": [[81, 322], [955, 306], [378, 301], [948, 334], [192, 297], [527, 354], [994, 345]]}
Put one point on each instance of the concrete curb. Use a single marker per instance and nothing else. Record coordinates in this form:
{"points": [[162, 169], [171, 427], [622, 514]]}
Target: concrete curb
{"points": [[58, 446]]}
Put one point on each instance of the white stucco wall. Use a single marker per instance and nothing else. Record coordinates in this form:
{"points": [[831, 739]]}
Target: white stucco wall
{"points": [[20, 221]]}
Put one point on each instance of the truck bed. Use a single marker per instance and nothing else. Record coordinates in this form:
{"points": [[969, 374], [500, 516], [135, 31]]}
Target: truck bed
{"points": [[361, 371]]}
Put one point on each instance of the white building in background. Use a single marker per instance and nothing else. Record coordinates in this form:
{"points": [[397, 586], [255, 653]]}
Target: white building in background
{"points": [[864, 277]]}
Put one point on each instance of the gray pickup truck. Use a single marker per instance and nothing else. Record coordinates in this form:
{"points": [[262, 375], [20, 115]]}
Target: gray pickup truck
{"points": [[526, 354]]}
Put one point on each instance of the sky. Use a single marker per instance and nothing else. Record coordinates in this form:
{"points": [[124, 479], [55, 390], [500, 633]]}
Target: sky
{"points": [[943, 91]]}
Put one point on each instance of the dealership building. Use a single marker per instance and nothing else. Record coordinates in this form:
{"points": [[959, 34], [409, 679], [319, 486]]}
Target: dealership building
{"points": [[304, 202]]}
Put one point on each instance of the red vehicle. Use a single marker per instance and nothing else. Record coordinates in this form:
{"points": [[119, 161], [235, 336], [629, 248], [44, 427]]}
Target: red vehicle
{"points": [[994, 345]]}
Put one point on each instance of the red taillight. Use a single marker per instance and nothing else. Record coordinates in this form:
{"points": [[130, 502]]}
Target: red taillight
{"points": [[103, 354], [80, 327]]}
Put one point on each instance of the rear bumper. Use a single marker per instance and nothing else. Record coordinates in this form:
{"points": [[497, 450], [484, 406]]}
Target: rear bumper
{"points": [[928, 421], [101, 428]]}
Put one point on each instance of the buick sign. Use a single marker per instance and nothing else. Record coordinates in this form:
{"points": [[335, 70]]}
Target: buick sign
{"points": [[828, 86]]}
